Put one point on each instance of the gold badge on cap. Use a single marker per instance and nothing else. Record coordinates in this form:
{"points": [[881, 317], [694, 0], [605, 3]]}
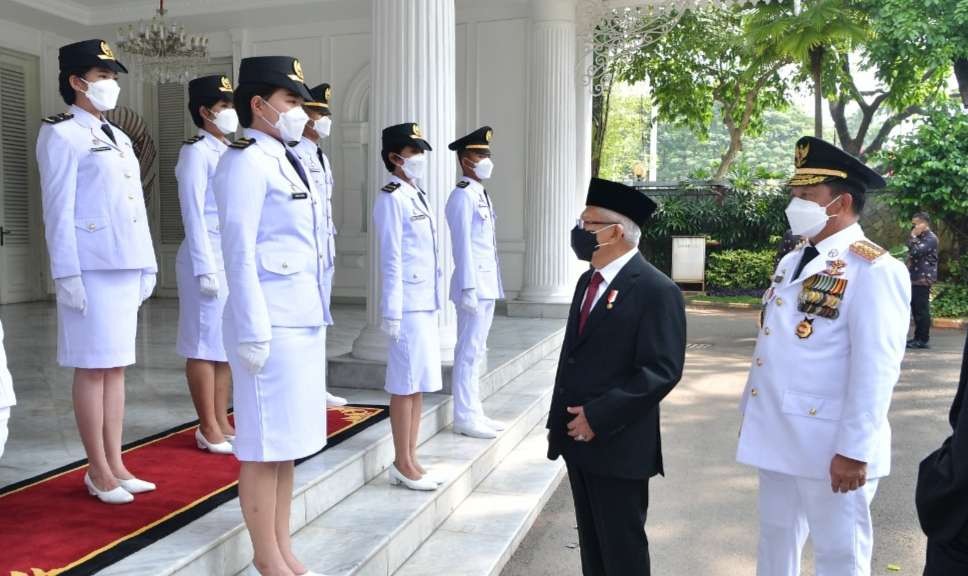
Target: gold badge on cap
{"points": [[327, 94], [801, 157], [225, 85], [297, 71], [417, 132], [106, 52], [487, 137]]}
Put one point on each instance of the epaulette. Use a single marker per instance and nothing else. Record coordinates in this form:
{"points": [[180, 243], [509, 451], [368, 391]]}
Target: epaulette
{"points": [[193, 140], [57, 118], [801, 244], [391, 187], [867, 250], [242, 143], [463, 184]]}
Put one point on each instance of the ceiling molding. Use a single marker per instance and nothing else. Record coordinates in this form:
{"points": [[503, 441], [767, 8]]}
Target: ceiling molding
{"points": [[132, 12], [66, 9]]}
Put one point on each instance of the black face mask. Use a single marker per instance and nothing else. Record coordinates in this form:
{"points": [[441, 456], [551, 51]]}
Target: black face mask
{"points": [[584, 243]]}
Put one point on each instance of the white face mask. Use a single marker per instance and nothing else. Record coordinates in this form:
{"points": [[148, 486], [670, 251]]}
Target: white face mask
{"points": [[807, 218], [484, 168], [103, 94], [290, 123], [415, 166], [227, 120], [323, 126]]}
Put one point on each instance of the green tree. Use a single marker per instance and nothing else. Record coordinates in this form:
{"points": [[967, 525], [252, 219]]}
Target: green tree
{"points": [[627, 140], [704, 61]]}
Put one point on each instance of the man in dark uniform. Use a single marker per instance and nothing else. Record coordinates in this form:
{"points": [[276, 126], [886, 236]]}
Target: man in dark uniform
{"points": [[942, 492], [922, 261], [623, 352]]}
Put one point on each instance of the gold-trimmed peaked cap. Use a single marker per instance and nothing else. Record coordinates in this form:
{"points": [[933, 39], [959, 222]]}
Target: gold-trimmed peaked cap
{"points": [[87, 54], [479, 139], [818, 161], [408, 134], [279, 71], [321, 95]]}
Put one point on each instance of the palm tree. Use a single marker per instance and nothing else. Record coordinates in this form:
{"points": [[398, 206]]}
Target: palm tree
{"points": [[781, 31]]}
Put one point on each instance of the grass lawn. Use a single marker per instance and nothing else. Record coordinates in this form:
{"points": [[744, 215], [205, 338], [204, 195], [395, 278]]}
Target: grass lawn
{"points": [[725, 299]]}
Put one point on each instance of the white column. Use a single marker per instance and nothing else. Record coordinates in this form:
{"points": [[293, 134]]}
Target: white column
{"points": [[412, 79], [552, 154]]}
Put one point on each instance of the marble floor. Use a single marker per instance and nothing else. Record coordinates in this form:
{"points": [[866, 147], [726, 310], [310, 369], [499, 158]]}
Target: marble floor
{"points": [[42, 430]]}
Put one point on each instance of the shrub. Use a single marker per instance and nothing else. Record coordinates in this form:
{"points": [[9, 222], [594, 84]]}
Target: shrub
{"points": [[743, 270], [950, 301]]}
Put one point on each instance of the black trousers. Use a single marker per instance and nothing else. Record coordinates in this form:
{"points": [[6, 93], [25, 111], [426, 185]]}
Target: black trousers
{"points": [[611, 515], [921, 310], [948, 558]]}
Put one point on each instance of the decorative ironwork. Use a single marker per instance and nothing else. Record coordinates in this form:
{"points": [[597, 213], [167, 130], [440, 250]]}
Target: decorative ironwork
{"points": [[163, 49]]}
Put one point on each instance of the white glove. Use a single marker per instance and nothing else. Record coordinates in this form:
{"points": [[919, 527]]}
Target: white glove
{"points": [[71, 293], [391, 328], [253, 355], [147, 285], [208, 284], [468, 300]]}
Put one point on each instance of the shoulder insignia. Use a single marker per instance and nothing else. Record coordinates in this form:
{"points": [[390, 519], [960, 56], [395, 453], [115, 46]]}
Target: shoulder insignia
{"points": [[802, 243], [463, 184], [242, 143], [391, 187], [57, 118], [193, 140], [867, 250]]}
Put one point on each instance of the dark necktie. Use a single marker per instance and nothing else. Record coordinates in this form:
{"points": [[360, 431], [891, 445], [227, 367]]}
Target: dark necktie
{"points": [[487, 197], [423, 198], [319, 154], [106, 128], [809, 253], [297, 165], [586, 307]]}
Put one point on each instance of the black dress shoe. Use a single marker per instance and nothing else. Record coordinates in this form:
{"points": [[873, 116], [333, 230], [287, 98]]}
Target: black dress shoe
{"points": [[918, 345]]}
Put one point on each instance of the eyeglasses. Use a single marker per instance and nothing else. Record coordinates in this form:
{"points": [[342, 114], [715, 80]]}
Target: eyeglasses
{"points": [[583, 224]]}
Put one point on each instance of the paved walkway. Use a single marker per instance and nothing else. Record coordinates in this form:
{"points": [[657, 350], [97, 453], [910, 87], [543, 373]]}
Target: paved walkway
{"points": [[702, 518]]}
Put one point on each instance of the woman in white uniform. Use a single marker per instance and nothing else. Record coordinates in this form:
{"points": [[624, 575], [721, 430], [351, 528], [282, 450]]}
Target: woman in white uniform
{"points": [[201, 276], [7, 398], [412, 281], [101, 255], [274, 322]]}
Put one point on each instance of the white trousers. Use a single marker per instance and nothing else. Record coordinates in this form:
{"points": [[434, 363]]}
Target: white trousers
{"points": [[793, 508], [472, 330], [4, 417]]}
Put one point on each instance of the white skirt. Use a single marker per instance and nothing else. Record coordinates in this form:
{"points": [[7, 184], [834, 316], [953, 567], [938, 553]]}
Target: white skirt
{"points": [[199, 317], [414, 360], [280, 413], [105, 336]]}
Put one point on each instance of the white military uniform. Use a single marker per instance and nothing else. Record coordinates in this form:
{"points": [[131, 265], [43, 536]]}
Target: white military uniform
{"points": [[272, 243], [470, 216], [320, 172], [7, 398], [412, 286], [821, 385], [199, 316], [97, 228]]}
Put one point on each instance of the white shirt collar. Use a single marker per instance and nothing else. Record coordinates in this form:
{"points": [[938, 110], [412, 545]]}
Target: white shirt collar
{"points": [[86, 118], [611, 270], [306, 145], [267, 143], [840, 241], [214, 143]]}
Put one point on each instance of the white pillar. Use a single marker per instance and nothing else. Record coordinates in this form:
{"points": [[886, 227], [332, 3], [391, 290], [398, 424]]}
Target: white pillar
{"points": [[552, 172], [412, 79]]}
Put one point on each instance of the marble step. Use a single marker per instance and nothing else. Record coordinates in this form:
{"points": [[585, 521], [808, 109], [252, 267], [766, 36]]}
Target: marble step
{"points": [[482, 534], [376, 529]]}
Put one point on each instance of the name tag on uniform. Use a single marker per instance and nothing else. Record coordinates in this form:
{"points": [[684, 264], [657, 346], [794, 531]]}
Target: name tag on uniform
{"points": [[300, 195], [102, 149], [416, 217]]}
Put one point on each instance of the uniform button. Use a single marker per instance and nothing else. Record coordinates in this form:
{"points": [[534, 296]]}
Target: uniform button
{"points": [[759, 361], [320, 256], [130, 196], [779, 301], [754, 392], [813, 411], [285, 265], [766, 330], [92, 227], [135, 220], [122, 154], [127, 174]]}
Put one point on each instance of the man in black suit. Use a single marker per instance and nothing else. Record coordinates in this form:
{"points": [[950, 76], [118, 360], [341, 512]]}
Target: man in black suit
{"points": [[942, 492], [623, 353]]}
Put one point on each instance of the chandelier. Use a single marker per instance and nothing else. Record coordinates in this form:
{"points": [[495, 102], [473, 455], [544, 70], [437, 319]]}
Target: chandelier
{"points": [[163, 49]]}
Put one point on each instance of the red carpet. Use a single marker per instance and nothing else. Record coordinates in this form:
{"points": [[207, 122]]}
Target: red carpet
{"points": [[49, 525]]}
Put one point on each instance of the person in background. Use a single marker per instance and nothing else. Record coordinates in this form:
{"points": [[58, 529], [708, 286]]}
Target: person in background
{"points": [[101, 255], [321, 172], [7, 398], [202, 288], [922, 262]]}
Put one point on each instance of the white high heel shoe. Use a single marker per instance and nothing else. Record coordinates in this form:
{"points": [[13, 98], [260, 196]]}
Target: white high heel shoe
{"points": [[397, 478], [496, 425], [136, 486], [116, 496], [203, 444]]}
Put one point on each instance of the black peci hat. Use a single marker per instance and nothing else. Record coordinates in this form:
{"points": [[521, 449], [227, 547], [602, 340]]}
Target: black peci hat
{"points": [[320, 101], [620, 198], [818, 161], [215, 87], [280, 71], [88, 54], [479, 139], [407, 134]]}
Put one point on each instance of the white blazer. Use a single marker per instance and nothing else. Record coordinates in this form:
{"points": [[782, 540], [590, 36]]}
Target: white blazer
{"points": [[94, 207], [272, 235], [412, 280], [195, 170], [827, 390], [470, 216], [7, 397]]}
